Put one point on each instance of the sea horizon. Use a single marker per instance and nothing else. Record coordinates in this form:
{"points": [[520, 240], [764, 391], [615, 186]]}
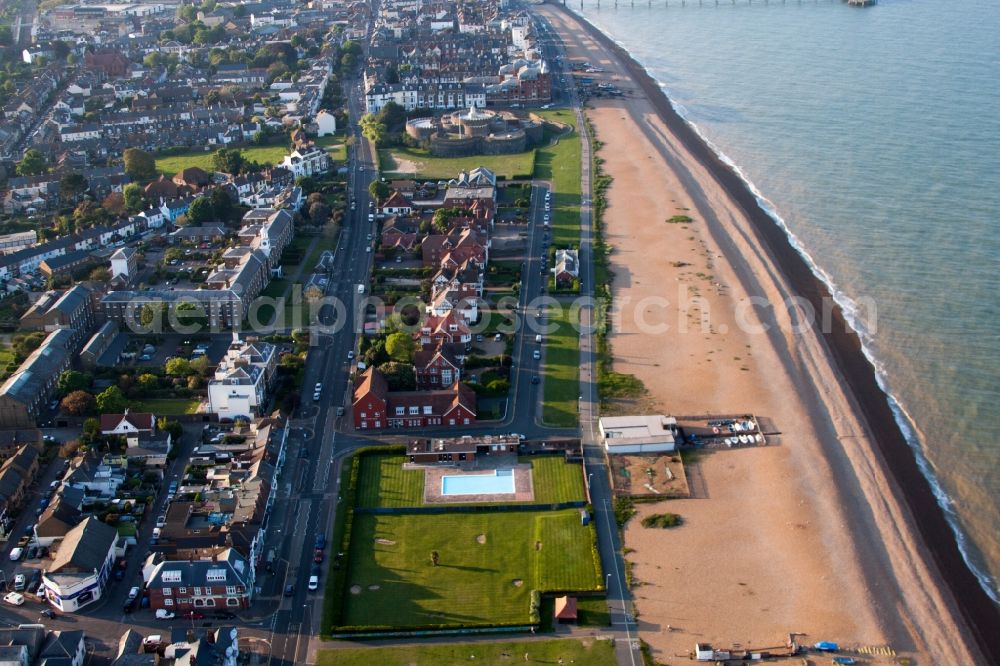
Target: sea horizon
{"points": [[782, 153]]}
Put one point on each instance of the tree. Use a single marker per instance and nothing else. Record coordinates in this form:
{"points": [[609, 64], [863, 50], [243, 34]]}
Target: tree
{"points": [[89, 214], [391, 74], [200, 365], [399, 376], [379, 190], [400, 347], [151, 315], [173, 428], [228, 160], [200, 211], [71, 380], [372, 129], [139, 164], [178, 367], [78, 403], [32, 163], [222, 204], [71, 186], [114, 203], [135, 197], [187, 13], [100, 274], [308, 184], [319, 212], [392, 116], [148, 382], [111, 401]]}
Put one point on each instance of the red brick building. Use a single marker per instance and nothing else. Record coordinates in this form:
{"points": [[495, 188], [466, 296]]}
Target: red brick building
{"points": [[375, 407], [220, 580], [436, 367]]}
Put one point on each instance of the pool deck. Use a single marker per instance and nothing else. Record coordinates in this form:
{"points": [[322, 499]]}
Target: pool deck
{"points": [[523, 488]]}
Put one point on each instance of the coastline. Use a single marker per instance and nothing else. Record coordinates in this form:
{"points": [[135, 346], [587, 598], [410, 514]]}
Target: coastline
{"points": [[844, 349]]}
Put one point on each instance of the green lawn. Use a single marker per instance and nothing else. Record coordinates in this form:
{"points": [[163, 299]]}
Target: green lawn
{"points": [[335, 146], [592, 612], [560, 165], [562, 371], [382, 481], [168, 166], [584, 652], [166, 406], [392, 583], [518, 165], [554, 479]]}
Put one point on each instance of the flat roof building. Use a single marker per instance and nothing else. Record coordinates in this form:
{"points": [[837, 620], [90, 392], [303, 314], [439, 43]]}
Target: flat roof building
{"points": [[638, 434]]}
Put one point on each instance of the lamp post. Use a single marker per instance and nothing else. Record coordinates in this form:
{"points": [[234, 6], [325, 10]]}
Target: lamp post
{"points": [[607, 584]]}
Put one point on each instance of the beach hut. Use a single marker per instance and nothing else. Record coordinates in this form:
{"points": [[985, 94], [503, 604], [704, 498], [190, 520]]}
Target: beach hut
{"points": [[565, 609]]}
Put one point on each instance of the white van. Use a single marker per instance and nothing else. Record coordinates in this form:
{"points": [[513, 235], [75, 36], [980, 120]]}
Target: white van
{"points": [[361, 288], [16, 554], [538, 339]]}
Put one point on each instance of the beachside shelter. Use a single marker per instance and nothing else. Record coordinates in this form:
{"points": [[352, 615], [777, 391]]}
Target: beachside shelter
{"points": [[565, 609], [629, 435]]}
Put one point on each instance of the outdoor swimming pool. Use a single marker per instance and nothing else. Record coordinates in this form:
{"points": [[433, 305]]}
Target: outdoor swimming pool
{"points": [[498, 483]]}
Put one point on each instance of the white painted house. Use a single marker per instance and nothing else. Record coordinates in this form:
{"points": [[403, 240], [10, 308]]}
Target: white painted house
{"points": [[326, 123]]}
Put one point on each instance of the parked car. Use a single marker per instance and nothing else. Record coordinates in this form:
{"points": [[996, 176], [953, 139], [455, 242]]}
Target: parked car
{"points": [[164, 614], [317, 556], [49, 613], [313, 583], [289, 590], [20, 582], [224, 615], [535, 380], [16, 554], [133, 593], [320, 543], [14, 598]]}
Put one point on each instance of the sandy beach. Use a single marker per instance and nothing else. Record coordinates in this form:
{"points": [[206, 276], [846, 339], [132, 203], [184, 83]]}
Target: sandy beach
{"points": [[811, 535]]}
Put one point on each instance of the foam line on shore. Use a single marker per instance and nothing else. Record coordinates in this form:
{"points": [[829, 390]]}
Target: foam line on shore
{"points": [[851, 311], [850, 345]]}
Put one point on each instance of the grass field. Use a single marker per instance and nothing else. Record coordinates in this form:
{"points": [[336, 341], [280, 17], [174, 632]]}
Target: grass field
{"points": [[560, 165], [554, 479], [168, 166], [6, 358], [335, 146], [584, 652], [167, 406], [441, 168], [382, 481], [488, 564], [561, 371]]}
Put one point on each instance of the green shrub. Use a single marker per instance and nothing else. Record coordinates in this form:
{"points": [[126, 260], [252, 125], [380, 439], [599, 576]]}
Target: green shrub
{"points": [[662, 520], [624, 510]]}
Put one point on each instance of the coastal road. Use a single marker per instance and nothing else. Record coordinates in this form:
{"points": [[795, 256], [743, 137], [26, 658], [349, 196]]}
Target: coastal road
{"points": [[620, 605]]}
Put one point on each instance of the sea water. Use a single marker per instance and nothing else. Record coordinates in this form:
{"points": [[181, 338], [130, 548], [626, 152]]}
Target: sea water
{"points": [[875, 135]]}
